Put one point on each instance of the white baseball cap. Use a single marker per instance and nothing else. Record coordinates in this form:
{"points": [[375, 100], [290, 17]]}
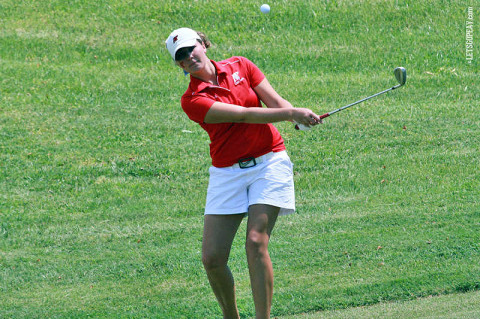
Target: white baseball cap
{"points": [[181, 38]]}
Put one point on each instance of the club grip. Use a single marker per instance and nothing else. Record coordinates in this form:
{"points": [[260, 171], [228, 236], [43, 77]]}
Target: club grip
{"points": [[302, 127]]}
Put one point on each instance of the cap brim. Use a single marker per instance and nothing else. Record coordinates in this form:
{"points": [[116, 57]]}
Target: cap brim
{"points": [[184, 44]]}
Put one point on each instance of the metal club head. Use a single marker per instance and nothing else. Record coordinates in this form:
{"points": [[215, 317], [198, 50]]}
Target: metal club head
{"points": [[400, 75]]}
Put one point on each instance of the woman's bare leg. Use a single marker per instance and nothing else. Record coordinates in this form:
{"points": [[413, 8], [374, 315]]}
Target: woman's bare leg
{"points": [[218, 234], [261, 220]]}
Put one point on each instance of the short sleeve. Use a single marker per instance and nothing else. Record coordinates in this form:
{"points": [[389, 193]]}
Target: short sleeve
{"points": [[197, 106], [255, 75]]}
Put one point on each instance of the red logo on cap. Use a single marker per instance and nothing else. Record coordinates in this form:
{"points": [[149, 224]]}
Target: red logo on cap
{"points": [[175, 38]]}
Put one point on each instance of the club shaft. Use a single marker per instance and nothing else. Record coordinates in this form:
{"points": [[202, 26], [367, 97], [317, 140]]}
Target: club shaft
{"points": [[362, 100], [354, 103]]}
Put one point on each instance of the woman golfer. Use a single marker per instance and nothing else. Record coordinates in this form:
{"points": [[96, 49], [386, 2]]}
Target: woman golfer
{"points": [[251, 173]]}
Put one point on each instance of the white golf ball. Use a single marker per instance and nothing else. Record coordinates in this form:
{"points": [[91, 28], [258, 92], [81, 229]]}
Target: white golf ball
{"points": [[265, 8]]}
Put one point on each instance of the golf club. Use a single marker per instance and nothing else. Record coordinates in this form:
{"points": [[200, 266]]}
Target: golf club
{"points": [[400, 75]]}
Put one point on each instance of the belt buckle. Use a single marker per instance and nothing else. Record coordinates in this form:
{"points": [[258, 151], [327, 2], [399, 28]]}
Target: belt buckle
{"points": [[247, 162]]}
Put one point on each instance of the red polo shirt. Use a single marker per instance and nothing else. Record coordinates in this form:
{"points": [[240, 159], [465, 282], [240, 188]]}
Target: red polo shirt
{"points": [[231, 142]]}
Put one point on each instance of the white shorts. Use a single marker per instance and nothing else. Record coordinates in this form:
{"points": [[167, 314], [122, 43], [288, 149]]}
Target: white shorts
{"points": [[232, 190]]}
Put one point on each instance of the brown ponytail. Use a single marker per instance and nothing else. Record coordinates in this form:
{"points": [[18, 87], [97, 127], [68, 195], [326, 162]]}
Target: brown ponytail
{"points": [[204, 38]]}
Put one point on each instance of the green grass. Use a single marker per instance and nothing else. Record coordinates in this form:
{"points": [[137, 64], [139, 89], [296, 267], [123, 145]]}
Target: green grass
{"points": [[459, 306], [103, 178]]}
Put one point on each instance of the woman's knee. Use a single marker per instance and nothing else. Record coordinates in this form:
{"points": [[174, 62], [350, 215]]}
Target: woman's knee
{"points": [[214, 260], [256, 243]]}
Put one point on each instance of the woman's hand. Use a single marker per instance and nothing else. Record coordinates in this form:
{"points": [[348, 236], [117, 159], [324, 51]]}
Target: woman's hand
{"points": [[305, 117]]}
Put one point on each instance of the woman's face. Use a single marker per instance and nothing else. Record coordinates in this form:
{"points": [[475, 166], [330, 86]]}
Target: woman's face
{"points": [[192, 59]]}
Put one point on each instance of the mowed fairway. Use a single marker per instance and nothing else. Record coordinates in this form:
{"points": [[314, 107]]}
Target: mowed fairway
{"points": [[103, 177]]}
